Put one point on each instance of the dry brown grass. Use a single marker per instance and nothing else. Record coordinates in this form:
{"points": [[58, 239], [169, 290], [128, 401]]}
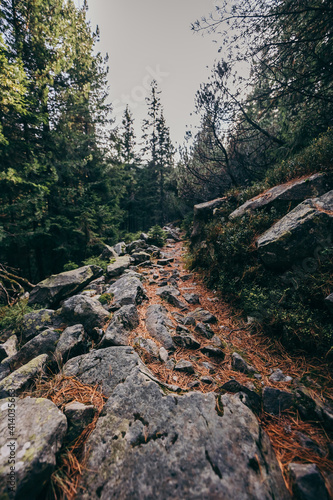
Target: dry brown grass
{"points": [[71, 462]]}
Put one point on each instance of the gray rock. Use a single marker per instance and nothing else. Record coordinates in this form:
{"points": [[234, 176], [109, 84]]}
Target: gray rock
{"points": [[107, 367], [276, 401], [184, 366], [119, 266], [170, 364], [108, 253], [202, 214], [313, 408], [213, 352], [86, 311], [240, 365], [138, 447], [40, 428], [52, 290], [123, 321], [297, 190], [38, 321], [165, 262], [72, 343], [189, 321], [172, 234], [208, 366], [329, 302], [253, 400], [79, 416], [159, 326], [279, 376], [127, 290], [120, 248], [23, 378], [185, 341], [44, 343], [170, 294], [202, 315], [192, 298], [207, 380], [163, 355], [147, 345], [298, 234], [204, 330], [186, 277], [140, 257], [9, 348], [308, 443], [136, 246], [178, 317], [307, 482], [217, 342]]}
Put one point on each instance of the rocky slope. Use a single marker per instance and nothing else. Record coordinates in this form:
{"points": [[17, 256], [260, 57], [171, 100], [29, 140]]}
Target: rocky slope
{"points": [[189, 401]]}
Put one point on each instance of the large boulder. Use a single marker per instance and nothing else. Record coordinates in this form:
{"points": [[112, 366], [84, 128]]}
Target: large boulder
{"points": [[159, 326], [72, 343], [44, 343], [203, 213], [119, 266], [38, 321], [298, 234], [105, 367], [127, 290], [36, 437], [117, 333], [86, 311], [296, 190], [149, 444], [51, 291]]}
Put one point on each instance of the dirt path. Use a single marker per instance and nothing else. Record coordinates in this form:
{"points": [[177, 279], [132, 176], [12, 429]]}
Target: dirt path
{"points": [[265, 355]]}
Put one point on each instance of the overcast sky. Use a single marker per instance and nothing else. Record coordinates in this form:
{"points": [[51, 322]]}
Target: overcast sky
{"points": [[148, 39]]}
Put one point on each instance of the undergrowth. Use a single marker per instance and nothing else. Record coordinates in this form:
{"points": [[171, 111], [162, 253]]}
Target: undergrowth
{"points": [[287, 304]]}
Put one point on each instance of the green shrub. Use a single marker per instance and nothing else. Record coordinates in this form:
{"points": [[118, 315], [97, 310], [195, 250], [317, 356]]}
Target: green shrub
{"points": [[97, 261], [156, 236], [70, 266], [106, 298], [11, 318]]}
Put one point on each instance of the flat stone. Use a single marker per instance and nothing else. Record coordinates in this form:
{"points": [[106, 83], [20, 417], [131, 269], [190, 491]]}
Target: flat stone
{"points": [[279, 376], [163, 355], [217, 342], [170, 294], [108, 253], [138, 447], [297, 235], [203, 316], [191, 298], [44, 343], [296, 190], [107, 367], [307, 482], [40, 428], [240, 365], [86, 311], [22, 378], [51, 291], [185, 341], [204, 330], [9, 348], [79, 416], [37, 321], [72, 342], [207, 380], [209, 366], [159, 326], [118, 331], [118, 267], [184, 366], [213, 352], [127, 290], [147, 345], [140, 258], [276, 401], [165, 262]]}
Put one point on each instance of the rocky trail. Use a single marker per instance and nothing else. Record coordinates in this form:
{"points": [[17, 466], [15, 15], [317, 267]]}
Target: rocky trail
{"points": [[143, 384]]}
